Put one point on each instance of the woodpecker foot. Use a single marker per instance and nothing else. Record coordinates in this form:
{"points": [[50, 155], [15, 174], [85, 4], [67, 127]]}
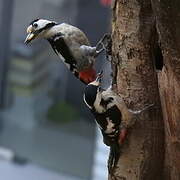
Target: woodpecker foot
{"points": [[104, 44], [122, 135]]}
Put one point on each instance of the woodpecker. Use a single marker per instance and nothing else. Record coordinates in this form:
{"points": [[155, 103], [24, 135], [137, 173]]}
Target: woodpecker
{"points": [[70, 44], [107, 109]]}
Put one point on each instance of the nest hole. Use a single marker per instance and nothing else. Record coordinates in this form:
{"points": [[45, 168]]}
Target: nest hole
{"points": [[159, 60]]}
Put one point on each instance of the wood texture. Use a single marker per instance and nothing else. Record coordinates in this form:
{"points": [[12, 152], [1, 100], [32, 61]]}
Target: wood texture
{"points": [[168, 24], [133, 36]]}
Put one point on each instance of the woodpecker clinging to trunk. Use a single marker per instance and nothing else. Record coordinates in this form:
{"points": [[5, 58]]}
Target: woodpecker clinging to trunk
{"points": [[111, 115], [70, 43]]}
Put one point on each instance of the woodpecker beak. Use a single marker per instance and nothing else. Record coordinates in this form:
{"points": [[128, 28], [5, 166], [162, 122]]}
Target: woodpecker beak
{"points": [[29, 38], [97, 81], [99, 77], [31, 35]]}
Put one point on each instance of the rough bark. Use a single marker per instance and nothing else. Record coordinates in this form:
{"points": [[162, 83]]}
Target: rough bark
{"points": [[168, 24], [133, 37]]}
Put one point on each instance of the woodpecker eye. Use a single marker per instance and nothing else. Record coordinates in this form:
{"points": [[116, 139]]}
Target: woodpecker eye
{"points": [[35, 25]]}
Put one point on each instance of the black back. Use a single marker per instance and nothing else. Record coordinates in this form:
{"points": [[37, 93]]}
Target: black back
{"points": [[59, 45], [112, 114]]}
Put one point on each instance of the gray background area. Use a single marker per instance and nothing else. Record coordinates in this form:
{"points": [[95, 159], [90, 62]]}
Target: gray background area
{"points": [[54, 151]]}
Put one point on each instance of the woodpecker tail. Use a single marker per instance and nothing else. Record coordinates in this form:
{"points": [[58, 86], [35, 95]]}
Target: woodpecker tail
{"points": [[114, 155], [87, 75]]}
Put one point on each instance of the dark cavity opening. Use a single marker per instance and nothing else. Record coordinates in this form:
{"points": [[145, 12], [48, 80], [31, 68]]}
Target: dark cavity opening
{"points": [[158, 58]]}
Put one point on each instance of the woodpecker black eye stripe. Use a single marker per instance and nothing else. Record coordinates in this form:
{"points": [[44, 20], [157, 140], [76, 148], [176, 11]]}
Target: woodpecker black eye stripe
{"points": [[34, 21], [44, 28]]}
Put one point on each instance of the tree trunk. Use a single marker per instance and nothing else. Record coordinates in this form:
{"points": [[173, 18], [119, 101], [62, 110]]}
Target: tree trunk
{"points": [[167, 14], [134, 43]]}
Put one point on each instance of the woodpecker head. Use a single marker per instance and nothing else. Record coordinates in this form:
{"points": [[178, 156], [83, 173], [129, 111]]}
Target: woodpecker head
{"points": [[38, 28], [93, 91]]}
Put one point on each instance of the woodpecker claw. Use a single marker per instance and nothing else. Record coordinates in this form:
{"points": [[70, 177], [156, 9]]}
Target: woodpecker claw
{"points": [[103, 44], [99, 76]]}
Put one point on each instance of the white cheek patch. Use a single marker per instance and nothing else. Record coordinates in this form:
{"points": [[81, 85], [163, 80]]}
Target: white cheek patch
{"points": [[109, 94], [99, 108], [42, 23]]}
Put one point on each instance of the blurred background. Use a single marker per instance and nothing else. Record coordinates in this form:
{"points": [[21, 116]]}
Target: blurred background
{"points": [[46, 131]]}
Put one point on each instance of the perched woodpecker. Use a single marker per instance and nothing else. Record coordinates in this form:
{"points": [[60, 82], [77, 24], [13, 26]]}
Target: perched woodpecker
{"points": [[107, 109], [112, 116], [70, 44]]}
